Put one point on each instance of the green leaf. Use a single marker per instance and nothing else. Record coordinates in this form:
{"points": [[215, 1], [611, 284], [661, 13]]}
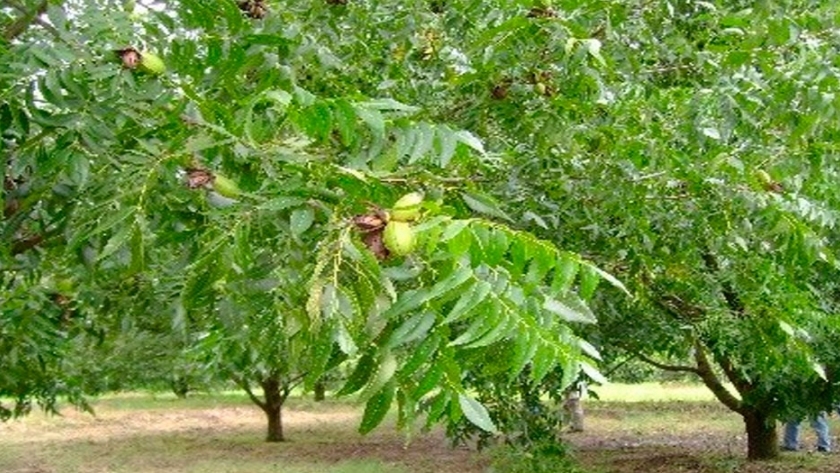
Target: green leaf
{"points": [[448, 143], [388, 105], [281, 203], [419, 356], [114, 220], [609, 278], [525, 347], [437, 407], [316, 120], [265, 39], [430, 380], [570, 308], [497, 247], [454, 229], [385, 371], [506, 30], [589, 349], [321, 350], [482, 324], [423, 143], [345, 121], [345, 340], [301, 220], [484, 204], [329, 301], [564, 274], [593, 47], [452, 281], [519, 256], [539, 267], [201, 142], [373, 119], [406, 302], [544, 360], [469, 300], [79, 169], [406, 138], [138, 251], [503, 327], [470, 140], [593, 373], [476, 413], [377, 407], [589, 279], [412, 329], [51, 90], [116, 241], [460, 244], [360, 376]]}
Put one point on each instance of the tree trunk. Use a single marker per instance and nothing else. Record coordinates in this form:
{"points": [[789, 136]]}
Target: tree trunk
{"points": [[320, 391], [574, 410], [180, 387], [762, 439], [273, 408], [275, 423]]}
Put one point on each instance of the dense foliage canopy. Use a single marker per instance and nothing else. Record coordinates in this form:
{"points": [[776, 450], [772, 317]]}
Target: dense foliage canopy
{"points": [[688, 148]]}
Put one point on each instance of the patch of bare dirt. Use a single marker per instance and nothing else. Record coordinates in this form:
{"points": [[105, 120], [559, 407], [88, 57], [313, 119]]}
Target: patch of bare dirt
{"points": [[659, 439], [112, 424], [686, 439], [166, 439], [432, 448]]}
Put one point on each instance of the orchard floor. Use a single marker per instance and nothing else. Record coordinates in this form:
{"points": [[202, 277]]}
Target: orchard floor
{"points": [[663, 429]]}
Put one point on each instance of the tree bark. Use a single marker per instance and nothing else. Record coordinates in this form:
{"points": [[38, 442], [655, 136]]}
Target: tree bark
{"points": [[574, 410], [320, 391], [275, 396], [275, 423], [762, 438]]}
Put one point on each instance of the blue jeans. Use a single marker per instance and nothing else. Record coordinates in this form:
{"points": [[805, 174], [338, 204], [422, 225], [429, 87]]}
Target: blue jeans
{"points": [[820, 426]]}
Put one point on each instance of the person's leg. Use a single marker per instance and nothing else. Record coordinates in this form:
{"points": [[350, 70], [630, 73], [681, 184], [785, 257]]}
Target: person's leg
{"points": [[791, 435], [820, 425]]}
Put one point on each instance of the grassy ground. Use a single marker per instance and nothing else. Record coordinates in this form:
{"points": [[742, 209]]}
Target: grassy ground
{"points": [[650, 428]]}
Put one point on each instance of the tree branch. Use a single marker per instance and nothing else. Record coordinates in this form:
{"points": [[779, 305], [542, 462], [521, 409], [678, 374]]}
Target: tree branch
{"points": [[615, 368], [290, 384], [21, 24], [740, 382], [244, 385], [710, 379], [667, 367], [295, 380], [26, 244], [51, 29], [681, 309], [729, 294]]}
